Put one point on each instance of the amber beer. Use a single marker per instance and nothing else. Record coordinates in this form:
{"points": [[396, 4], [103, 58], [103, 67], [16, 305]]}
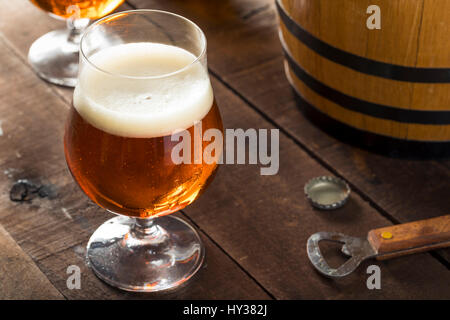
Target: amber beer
{"points": [[118, 137], [92, 9]]}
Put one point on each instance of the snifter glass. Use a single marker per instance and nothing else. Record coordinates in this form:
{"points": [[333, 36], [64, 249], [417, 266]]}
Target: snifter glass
{"points": [[54, 56], [143, 84]]}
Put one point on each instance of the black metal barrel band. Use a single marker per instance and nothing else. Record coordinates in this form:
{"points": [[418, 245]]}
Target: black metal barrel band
{"points": [[380, 111]]}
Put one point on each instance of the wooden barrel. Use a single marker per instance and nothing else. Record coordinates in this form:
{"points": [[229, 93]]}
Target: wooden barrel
{"points": [[387, 88]]}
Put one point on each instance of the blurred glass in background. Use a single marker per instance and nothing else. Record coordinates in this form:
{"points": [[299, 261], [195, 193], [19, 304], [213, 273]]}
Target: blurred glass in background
{"points": [[54, 56]]}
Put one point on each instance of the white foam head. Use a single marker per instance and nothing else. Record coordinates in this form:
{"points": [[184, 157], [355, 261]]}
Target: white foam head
{"points": [[148, 90]]}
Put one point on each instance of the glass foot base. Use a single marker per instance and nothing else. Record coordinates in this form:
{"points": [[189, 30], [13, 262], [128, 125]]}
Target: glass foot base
{"points": [[161, 255], [54, 58]]}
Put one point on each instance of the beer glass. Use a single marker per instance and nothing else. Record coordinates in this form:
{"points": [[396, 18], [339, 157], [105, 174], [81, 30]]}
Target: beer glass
{"points": [[54, 56], [138, 142]]}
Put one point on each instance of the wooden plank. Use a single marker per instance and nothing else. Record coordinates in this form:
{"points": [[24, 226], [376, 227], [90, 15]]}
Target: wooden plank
{"points": [[387, 182], [432, 39], [20, 278], [239, 32], [47, 227], [219, 278]]}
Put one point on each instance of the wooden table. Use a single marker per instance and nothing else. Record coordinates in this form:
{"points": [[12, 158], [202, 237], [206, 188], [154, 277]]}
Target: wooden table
{"points": [[254, 227]]}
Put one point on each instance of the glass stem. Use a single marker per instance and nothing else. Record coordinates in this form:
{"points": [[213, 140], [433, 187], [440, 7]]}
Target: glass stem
{"points": [[76, 28], [145, 228]]}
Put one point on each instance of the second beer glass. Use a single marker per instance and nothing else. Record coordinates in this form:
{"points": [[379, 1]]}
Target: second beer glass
{"points": [[143, 78], [54, 56]]}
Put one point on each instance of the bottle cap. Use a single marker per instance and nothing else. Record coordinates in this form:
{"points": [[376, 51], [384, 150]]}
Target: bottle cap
{"points": [[327, 193]]}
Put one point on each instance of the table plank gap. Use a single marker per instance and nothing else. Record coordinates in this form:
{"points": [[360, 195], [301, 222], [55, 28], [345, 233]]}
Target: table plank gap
{"points": [[228, 255], [20, 277]]}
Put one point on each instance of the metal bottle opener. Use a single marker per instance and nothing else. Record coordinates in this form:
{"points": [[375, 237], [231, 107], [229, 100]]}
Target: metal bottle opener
{"points": [[383, 243]]}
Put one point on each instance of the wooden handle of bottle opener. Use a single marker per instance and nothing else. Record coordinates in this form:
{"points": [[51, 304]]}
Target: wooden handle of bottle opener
{"points": [[413, 237]]}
